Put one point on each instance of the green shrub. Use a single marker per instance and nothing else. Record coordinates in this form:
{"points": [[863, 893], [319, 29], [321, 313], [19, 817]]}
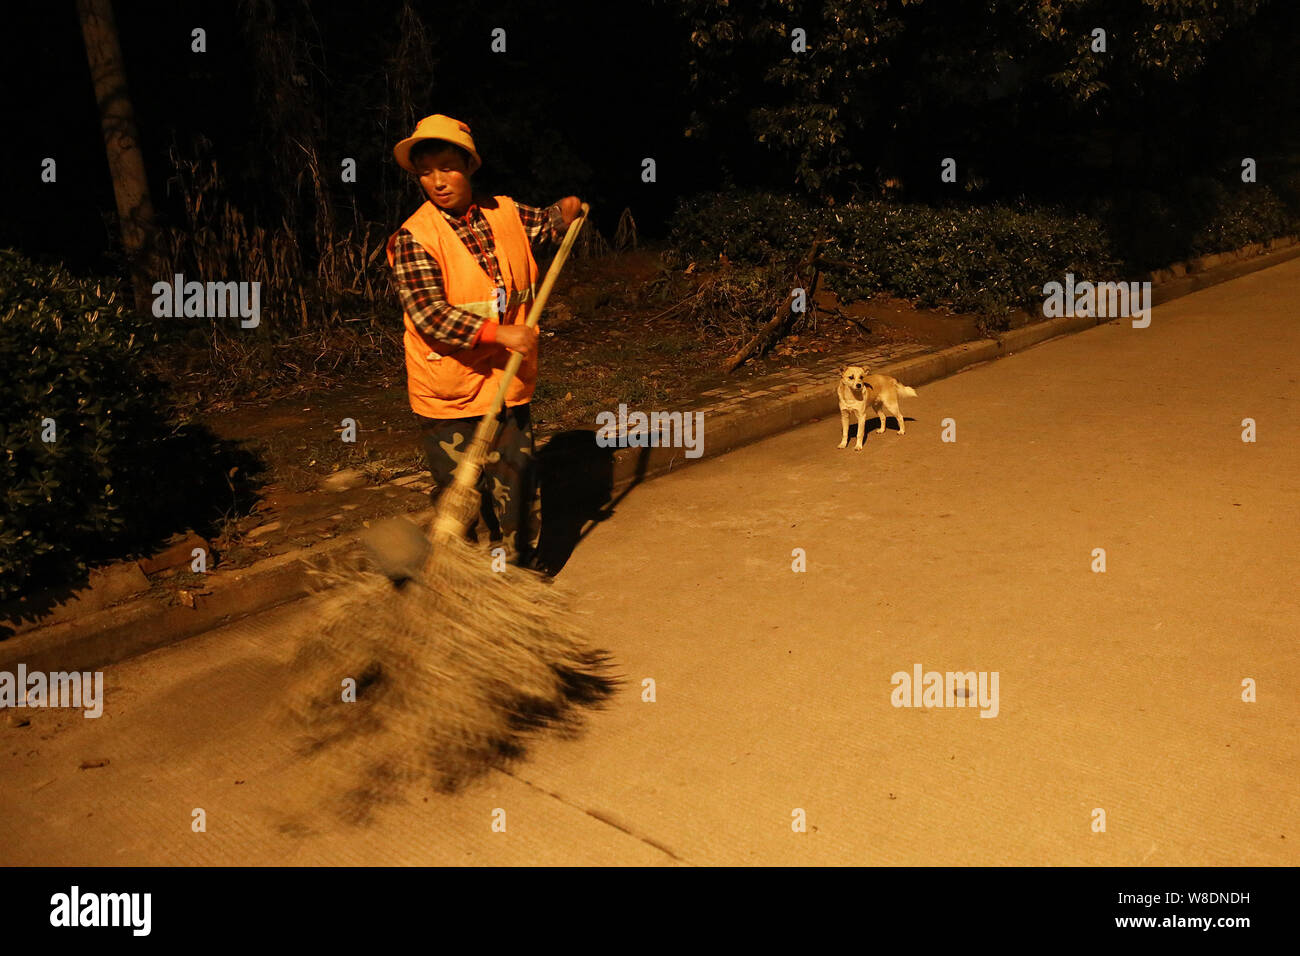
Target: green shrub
{"points": [[1146, 230], [1151, 230], [1287, 187], [970, 258], [982, 258], [1253, 213], [986, 259], [118, 469], [753, 228]]}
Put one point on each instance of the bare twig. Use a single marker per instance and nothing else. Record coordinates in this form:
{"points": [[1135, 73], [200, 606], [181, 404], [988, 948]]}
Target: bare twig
{"points": [[673, 308]]}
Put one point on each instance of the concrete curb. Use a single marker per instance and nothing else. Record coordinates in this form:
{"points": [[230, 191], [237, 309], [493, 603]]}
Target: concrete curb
{"points": [[1201, 274], [729, 431], [141, 625], [116, 633]]}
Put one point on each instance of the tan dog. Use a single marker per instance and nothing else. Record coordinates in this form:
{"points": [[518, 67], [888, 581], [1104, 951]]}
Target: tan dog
{"points": [[862, 395]]}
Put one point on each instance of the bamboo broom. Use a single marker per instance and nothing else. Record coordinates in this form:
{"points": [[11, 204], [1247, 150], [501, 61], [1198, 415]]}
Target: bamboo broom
{"points": [[453, 668]]}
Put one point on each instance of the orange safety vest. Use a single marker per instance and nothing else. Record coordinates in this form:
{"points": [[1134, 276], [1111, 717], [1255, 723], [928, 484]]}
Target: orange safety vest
{"points": [[448, 381]]}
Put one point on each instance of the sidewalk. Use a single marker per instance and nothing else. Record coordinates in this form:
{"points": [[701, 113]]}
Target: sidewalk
{"points": [[135, 607], [773, 699]]}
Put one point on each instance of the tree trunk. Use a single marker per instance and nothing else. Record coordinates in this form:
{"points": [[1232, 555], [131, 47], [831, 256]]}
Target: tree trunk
{"points": [[122, 144]]}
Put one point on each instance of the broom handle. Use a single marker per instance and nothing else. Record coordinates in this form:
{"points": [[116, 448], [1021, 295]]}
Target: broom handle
{"points": [[467, 472]]}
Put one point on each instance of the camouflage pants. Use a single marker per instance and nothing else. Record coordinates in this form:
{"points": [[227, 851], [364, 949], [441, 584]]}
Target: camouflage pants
{"points": [[511, 505]]}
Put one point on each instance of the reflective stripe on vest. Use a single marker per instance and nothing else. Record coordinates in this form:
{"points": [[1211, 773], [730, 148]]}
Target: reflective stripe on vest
{"points": [[488, 309]]}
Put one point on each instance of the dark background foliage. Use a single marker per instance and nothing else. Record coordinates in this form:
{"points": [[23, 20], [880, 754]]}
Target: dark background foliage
{"points": [[708, 88], [1067, 160], [121, 473]]}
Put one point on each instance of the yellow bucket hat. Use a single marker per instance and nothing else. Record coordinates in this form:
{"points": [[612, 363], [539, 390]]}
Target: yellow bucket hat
{"points": [[437, 127]]}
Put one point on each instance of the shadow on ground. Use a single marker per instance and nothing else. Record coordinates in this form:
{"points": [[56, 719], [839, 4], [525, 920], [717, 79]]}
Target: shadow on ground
{"points": [[576, 476]]}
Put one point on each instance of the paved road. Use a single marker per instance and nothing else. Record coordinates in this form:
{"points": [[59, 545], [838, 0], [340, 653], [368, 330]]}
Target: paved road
{"points": [[1118, 691]]}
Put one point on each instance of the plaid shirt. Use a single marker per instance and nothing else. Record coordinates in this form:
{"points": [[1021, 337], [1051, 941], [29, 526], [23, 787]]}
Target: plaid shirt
{"points": [[419, 277]]}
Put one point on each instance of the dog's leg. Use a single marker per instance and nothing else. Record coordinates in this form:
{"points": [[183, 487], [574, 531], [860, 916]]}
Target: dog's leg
{"points": [[844, 429], [862, 429], [898, 414], [882, 422]]}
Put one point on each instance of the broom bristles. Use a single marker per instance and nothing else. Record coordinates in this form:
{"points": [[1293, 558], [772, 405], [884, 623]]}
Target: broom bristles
{"points": [[457, 509], [453, 667], [453, 670]]}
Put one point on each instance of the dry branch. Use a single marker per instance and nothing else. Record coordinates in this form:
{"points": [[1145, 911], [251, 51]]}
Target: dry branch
{"points": [[773, 329]]}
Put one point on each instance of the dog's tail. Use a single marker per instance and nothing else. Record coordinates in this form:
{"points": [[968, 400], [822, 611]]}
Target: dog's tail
{"points": [[907, 391]]}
